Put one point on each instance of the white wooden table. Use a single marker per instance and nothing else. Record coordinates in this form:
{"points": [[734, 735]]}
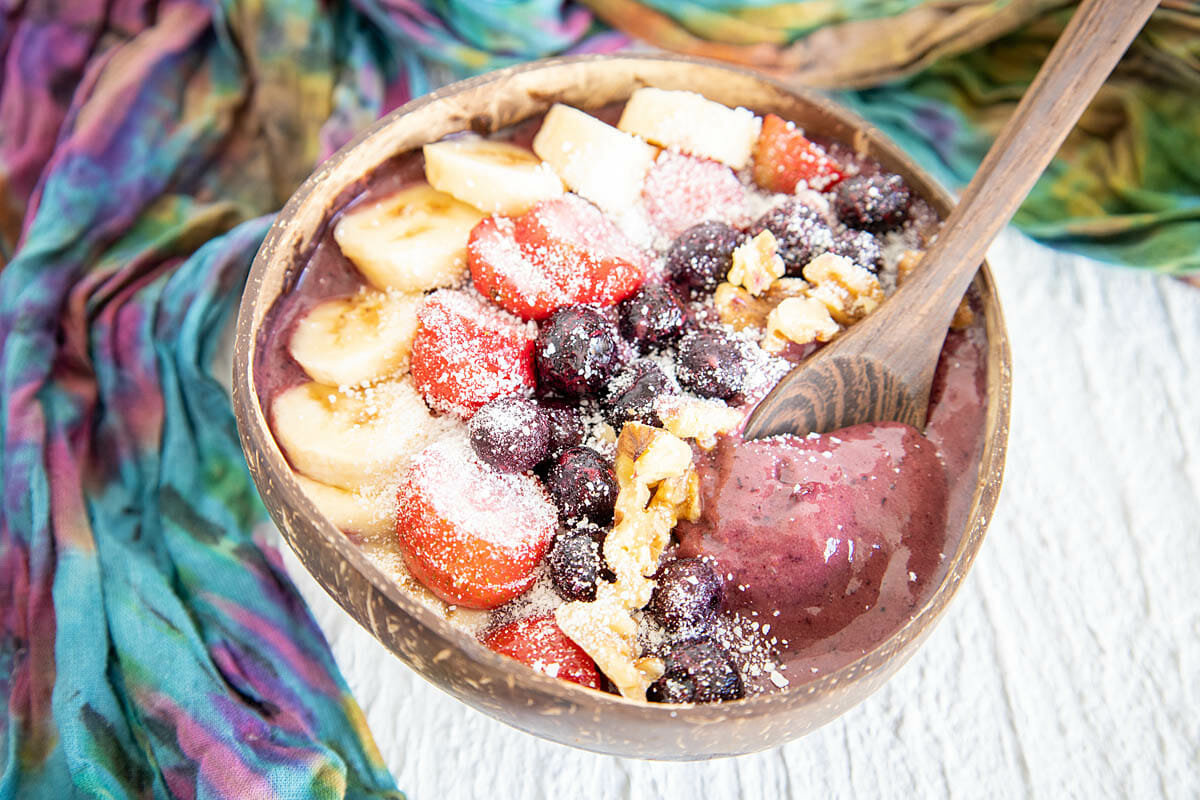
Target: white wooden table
{"points": [[1067, 666]]}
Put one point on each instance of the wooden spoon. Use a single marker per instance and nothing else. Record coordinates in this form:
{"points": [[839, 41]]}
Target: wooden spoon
{"points": [[882, 368]]}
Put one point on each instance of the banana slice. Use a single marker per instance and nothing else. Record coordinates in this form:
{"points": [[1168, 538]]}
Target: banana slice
{"points": [[353, 341], [594, 159], [368, 518], [352, 439], [495, 177], [691, 123], [413, 240]]}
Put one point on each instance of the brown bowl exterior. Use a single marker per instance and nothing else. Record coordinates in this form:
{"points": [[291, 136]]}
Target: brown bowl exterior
{"points": [[450, 658]]}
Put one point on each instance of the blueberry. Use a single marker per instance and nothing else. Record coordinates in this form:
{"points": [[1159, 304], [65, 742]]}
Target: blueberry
{"points": [[698, 671], [631, 395], [576, 352], [577, 564], [700, 257], [565, 426], [875, 203], [801, 233], [510, 433], [583, 485], [711, 365], [652, 317], [689, 594], [860, 247]]}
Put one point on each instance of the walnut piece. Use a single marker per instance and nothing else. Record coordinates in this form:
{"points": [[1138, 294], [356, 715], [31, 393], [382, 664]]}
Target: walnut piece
{"points": [[756, 265], [849, 291], [800, 320], [693, 418], [737, 307]]}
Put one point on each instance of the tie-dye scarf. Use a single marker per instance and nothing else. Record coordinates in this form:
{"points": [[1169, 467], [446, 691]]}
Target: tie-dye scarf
{"points": [[150, 646]]}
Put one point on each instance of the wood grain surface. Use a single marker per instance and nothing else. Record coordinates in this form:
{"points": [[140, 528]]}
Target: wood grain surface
{"points": [[1068, 665]]}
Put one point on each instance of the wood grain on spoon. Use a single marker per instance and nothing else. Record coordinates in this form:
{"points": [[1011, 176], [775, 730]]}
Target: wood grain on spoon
{"points": [[882, 368]]}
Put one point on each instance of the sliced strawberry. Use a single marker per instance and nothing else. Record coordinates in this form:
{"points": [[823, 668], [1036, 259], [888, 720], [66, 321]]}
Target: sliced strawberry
{"points": [[470, 534], [681, 191], [467, 352], [561, 252], [783, 157], [538, 642]]}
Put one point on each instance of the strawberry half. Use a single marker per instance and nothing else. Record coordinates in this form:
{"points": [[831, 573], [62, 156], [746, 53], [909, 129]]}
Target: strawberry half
{"points": [[561, 252], [541, 644], [470, 534], [783, 157], [467, 352]]}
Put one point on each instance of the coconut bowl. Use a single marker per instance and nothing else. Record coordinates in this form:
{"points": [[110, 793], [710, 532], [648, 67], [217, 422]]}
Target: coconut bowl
{"points": [[421, 638]]}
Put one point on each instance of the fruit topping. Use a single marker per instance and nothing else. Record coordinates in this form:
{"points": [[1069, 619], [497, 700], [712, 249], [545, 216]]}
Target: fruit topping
{"points": [[466, 353], [470, 534], [411, 241], [875, 203], [577, 351], [363, 517], [539, 643], [701, 256], [577, 562], [594, 159], [494, 177], [652, 317], [354, 437], [698, 671], [583, 485], [355, 340], [510, 434], [709, 364], [562, 252], [784, 157], [564, 425], [682, 191], [632, 394], [688, 596], [800, 231], [691, 123], [860, 247]]}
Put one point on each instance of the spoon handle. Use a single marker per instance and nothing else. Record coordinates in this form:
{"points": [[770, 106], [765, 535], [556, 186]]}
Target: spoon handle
{"points": [[1082, 59]]}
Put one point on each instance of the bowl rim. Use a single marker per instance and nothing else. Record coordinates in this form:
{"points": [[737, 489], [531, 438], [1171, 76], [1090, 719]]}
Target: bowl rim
{"points": [[261, 448]]}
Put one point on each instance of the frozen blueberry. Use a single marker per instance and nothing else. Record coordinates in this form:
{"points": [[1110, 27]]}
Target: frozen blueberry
{"points": [[583, 485], [698, 671], [510, 433], [652, 317], [801, 233], [577, 562], [860, 247], [874, 203], [576, 352], [631, 395], [700, 257], [710, 365], [565, 426], [689, 594]]}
